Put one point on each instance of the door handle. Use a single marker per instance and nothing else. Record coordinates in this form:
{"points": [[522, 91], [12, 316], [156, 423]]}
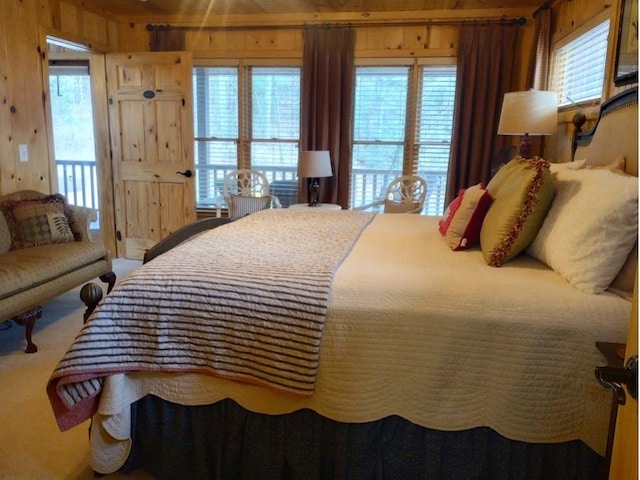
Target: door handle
{"points": [[616, 377], [187, 173]]}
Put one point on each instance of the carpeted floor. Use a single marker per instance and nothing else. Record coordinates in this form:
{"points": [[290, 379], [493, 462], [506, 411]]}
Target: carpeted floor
{"points": [[31, 445]]}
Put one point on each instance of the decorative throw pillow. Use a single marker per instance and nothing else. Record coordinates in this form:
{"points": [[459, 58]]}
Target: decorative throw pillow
{"points": [[463, 217], [240, 205], [38, 221], [5, 232], [590, 229], [522, 192]]}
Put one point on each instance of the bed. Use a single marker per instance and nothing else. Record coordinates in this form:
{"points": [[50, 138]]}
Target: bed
{"points": [[344, 344]]}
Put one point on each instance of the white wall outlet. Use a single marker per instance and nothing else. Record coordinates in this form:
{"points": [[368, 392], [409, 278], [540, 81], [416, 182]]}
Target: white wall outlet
{"points": [[23, 152]]}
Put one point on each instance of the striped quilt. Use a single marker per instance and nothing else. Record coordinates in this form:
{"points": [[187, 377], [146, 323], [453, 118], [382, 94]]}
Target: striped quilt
{"points": [[246, 301]]}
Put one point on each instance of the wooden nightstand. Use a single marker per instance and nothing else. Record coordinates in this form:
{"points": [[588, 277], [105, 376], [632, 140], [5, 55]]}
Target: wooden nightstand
{"points": [[322, 206]]}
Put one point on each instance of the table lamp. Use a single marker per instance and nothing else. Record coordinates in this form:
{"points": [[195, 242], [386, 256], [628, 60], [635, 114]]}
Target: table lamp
{"points": [[313, 165], [534, 112]]}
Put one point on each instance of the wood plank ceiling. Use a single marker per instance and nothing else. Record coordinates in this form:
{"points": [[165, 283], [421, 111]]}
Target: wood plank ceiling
{"points": [[171, 8]]}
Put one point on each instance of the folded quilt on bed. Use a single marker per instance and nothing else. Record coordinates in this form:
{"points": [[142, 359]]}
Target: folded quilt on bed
{"points": [[246, 303]]}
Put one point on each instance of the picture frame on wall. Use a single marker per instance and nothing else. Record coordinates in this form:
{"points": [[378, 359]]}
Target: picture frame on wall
{"points": [[626, 70]]}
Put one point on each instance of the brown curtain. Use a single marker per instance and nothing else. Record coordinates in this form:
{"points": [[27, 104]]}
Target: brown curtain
{"points": [[538, 71], [486, 71], [328, 75]]}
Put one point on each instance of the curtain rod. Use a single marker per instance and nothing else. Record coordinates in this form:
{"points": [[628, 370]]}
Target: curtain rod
{"points": [[503, 21], [545, 6]]}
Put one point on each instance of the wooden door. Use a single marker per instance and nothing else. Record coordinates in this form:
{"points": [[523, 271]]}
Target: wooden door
{"points": [[151, 130], [624, 459]]}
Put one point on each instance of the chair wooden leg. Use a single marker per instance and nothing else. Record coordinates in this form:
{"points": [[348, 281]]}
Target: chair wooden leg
{"points": [[28, 320]]}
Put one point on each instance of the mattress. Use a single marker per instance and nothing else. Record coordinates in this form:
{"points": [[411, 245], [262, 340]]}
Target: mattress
{"points": [[434, 336]]}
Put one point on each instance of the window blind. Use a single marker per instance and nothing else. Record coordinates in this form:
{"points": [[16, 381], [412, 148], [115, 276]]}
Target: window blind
{"points": [[216, 127], [579, 66], [434, 128]]}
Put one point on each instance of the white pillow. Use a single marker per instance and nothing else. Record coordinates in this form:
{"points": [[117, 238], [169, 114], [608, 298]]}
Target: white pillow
{"points": [[591, 227], [575, 165]]}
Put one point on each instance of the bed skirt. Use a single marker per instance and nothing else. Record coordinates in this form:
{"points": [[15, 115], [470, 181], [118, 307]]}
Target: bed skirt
{"points": [[226, 441]]}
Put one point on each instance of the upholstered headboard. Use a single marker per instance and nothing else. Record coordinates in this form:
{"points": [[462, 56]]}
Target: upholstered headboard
{"points": [[615, 135]]}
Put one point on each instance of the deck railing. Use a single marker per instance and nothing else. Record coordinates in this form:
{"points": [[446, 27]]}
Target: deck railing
{"points": [[77, 181], [367, 185]]}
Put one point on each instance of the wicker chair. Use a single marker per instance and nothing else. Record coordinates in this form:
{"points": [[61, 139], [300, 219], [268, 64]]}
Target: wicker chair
{"points": [[405, 194], [245, 191]]}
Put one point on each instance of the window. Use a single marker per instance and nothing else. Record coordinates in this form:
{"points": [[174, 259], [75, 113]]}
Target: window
{"points": [[246, 117], [579, 66], [402, 125]]}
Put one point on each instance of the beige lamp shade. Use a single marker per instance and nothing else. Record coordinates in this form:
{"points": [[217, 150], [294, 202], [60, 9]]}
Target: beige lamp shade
{"points": [[314, 164], [534, 112]]}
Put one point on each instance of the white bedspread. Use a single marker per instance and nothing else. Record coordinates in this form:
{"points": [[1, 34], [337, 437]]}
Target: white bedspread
{"points": [[435, 336]]}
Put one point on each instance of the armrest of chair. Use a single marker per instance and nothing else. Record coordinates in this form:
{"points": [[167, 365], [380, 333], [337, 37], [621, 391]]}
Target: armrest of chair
{"points": [[80, 221], [377, 203]]}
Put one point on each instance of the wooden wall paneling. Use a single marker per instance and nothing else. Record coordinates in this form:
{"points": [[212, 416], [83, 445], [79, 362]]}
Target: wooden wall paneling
{"points": [[443, 37], [24, 99], [288, 40], [571, 14], [85, 27], [207, 40], [202, 40], [113, 30], [94, 28], [133, 37], [6, 150], [239, 44], [69, 18], [48, 13], [379, 38]]}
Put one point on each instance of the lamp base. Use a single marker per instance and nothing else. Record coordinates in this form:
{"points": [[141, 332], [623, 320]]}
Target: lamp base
{"points": [[314, 192], [525, 150]]}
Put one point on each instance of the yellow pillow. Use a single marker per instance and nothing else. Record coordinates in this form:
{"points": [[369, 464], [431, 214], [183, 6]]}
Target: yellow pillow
{"points": [[522, 191]]}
